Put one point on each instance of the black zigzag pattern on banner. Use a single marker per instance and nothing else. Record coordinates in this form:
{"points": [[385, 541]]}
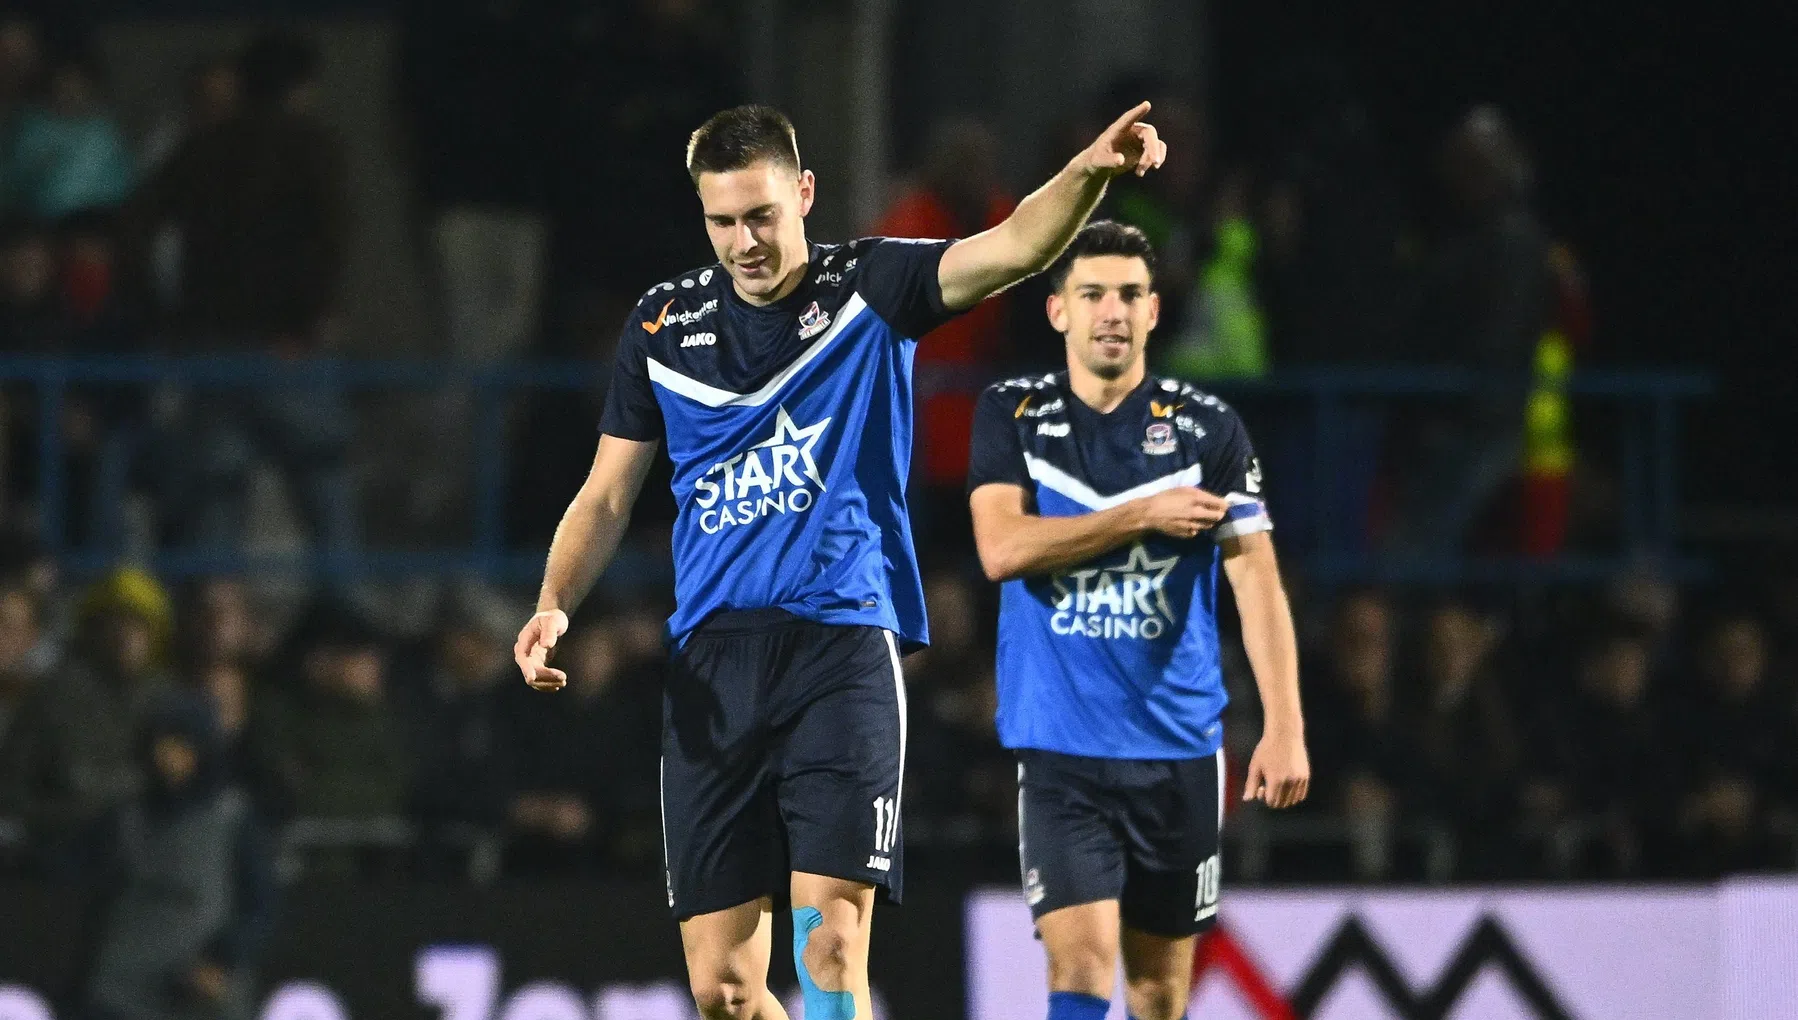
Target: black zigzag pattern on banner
{"points": [[1352, 946]]}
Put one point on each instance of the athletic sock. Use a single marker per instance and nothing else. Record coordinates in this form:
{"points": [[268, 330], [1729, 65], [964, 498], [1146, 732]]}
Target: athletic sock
{"points": [[1075, 1006]]}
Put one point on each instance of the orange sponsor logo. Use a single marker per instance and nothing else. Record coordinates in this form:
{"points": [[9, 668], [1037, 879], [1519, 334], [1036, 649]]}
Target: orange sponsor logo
{"points": [[655, 327]]}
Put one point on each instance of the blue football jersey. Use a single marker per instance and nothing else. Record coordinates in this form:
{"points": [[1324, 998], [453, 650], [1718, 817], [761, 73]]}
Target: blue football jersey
{"points": [[790, 430], [1118, 657]]}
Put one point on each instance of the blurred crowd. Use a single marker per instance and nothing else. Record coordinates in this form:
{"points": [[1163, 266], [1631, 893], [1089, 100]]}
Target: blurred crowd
{"points": [[223, 226], [1625, 736]]}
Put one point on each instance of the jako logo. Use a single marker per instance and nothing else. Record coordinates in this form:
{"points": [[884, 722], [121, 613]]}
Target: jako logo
{"points": [[774, 477], [1124, 601], [699, 340]]}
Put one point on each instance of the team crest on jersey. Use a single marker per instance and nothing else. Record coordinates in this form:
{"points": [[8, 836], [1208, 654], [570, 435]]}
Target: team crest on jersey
{"points": [[1159, 439], [1127, 600], [776, 476], [812, 321]]}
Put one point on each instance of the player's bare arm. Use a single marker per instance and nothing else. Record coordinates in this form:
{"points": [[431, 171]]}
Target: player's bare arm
{"points": [[1048, 218], [1014, 542], [584, 544], [1280, 771]]}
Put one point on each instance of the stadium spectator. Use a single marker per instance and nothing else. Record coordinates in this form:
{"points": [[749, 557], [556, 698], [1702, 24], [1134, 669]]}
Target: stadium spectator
{"points": [[211, 92], [586, 789], [19, 682], [1168, 205], [634, 79], [33, 319], [958, 192], [63, 152], [333, 739], [1607, 749], [221, 625], [193, 882], [69, 755], [460, 753], [1484, 302], [261, 202], [1366, 756], [482, 122], [952, 699], [1738, 729], [240, 706], [21, 60], [1466, 735], [1225, 333]]}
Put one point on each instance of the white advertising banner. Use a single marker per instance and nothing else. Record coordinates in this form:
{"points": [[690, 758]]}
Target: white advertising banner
{"points": [[1724, 952]]}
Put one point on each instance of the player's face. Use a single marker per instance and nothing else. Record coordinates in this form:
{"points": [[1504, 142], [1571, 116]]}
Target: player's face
{"points": [[1106, 309], [756, 220]]}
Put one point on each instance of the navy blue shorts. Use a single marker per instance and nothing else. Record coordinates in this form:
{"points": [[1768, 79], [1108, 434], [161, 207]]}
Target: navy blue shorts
{"points": [[1144, 833], [783, 743]]}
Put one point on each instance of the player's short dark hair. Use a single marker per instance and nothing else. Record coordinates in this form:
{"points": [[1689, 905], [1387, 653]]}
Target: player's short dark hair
{"points": [[1103, 237], [740, 137]]}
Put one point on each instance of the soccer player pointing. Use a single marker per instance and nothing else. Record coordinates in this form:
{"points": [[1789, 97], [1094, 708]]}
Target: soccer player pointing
{"points": [[1102, 497], [779, 379]]}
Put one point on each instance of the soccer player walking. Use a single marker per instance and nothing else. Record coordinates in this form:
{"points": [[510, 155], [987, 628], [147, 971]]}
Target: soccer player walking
{"points": [[780, 380], [1102, 497]]}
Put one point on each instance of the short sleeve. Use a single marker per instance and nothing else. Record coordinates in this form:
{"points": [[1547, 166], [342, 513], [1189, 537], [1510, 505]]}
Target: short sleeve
{"points": [[898, 280], [631, 410], [1234, 472], [996, 453]]}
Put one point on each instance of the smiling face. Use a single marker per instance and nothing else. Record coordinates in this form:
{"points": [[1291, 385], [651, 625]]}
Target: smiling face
{"points": [[755, 218], [1106, 309]]}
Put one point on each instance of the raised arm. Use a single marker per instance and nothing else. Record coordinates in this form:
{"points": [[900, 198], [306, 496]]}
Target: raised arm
{"points": [[1013, 542], [1280, 771], [584, 544], [1048, 218]]}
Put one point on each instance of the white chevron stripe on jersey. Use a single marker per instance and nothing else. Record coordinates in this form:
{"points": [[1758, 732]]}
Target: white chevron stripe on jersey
{"points": [[712, 396], [1052, 477]]}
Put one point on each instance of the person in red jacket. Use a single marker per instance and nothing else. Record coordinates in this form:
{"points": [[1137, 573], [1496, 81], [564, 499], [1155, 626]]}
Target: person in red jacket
{"points": [[957, 192]]}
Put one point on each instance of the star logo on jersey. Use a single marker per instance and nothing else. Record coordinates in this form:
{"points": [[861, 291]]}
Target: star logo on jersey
{"points": [[652, 328], [776, 476], [1127, 600]]}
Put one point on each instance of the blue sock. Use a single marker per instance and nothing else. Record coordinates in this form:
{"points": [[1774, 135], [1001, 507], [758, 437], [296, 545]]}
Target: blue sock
{"points": [[1075, 1006]]}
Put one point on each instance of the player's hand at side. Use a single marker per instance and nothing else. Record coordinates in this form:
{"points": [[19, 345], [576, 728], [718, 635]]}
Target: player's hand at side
{"points": [[1279, 771], [1183, 512], [1128, 146], [535, 642]]}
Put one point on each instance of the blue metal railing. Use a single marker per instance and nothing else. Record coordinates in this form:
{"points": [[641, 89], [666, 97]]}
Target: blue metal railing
{"points": [[1652, 402]]}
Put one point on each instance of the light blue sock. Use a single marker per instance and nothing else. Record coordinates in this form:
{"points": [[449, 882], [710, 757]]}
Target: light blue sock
{"points": [[1071, 1006], [819, 1004]]}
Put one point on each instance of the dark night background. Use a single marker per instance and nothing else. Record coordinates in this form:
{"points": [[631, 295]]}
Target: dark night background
{"points": [[1664, 140]]}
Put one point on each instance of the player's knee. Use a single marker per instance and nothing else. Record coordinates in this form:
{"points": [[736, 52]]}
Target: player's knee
{"points": [[1088, 966], [1157, 998], [727, 996], [830, 956]]}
